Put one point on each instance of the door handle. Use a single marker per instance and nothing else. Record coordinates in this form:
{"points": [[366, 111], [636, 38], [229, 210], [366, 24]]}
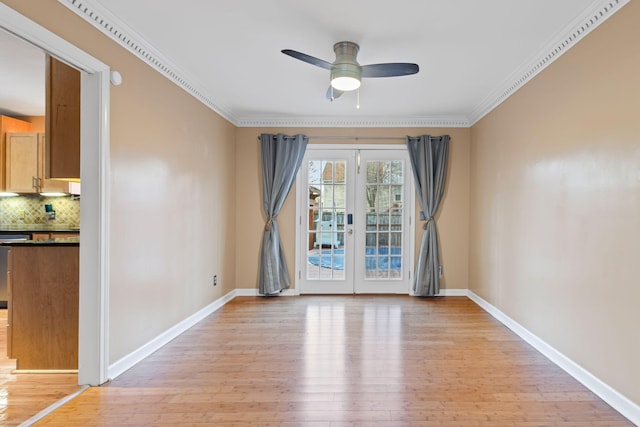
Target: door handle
{"points": [[350, 231]]}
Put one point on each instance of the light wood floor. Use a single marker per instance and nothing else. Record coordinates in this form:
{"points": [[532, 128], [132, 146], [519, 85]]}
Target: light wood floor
{"points": [[24, 395], [342, 361]]}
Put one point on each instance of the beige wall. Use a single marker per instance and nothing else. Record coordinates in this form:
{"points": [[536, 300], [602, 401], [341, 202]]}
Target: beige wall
{"points": [[453, 218], [172, 191], [555, 211]]}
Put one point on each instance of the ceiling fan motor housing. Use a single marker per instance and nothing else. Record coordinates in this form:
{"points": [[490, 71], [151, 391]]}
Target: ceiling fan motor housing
{"points": [[345, 68]]}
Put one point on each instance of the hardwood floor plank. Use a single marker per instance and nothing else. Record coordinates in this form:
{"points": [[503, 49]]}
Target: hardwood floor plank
{"points": [[343, 361]]}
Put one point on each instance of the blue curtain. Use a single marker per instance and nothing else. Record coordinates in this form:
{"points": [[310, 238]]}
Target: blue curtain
{"points": [[429, 158], [281, 158]]}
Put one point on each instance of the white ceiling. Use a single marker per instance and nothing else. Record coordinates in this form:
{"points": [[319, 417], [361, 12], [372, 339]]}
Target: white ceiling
{"points": [[21, 77], [472, 54]]}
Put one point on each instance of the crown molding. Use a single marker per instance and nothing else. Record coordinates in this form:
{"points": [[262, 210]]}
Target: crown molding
{"points": [[592, 17], [128, 38], [362, 122], [114, 28]]}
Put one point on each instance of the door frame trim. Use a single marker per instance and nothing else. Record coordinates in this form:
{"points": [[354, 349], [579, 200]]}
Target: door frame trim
{"points": [[93, 345], [300, 193]]}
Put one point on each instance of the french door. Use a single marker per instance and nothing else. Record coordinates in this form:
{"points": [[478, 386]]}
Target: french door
{"points": [[354, 231]]}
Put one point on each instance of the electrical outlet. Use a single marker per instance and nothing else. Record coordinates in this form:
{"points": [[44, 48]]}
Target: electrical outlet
{"points": [[215, 280]]}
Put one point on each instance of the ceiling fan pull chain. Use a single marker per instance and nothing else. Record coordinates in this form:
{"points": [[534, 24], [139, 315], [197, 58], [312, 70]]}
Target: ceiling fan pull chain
{"points": [[358, 100]]}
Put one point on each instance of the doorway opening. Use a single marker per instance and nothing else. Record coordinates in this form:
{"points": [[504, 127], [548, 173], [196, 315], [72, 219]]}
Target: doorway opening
{"points": [[94, 204]]}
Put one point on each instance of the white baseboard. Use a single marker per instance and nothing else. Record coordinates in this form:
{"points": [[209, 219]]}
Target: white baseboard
{"points": [[453, 293], [615, 399], [250, 292], [155, 344], [253, 292]]}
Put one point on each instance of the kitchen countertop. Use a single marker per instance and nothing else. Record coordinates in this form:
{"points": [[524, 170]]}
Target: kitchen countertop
{"points": [[61, 241]]}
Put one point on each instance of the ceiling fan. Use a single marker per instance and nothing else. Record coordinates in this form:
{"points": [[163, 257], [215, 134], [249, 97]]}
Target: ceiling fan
{"points": [[345, 71]]}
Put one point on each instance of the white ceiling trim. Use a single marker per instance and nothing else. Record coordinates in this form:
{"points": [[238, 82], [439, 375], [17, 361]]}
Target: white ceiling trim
{"points": [[369, 122], [121, 33], [582, 25]]}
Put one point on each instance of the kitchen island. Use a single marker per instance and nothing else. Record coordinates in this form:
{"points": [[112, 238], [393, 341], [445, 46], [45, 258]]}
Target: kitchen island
{"points": [[9, 233], [43, 279]]}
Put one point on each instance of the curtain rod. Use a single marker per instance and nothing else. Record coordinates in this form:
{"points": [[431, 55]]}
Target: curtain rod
{"points": [[357, 138]]}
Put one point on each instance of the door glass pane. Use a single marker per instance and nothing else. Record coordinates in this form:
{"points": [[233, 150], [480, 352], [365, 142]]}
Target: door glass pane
{"points": [[327, 215], [384, 219], [397, 172]]}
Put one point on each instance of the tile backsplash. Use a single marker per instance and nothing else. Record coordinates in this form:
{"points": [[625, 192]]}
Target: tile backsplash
{"points": [[25, 210]]}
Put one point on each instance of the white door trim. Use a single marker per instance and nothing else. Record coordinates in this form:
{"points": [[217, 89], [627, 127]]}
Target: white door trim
{"points": [[94, 205]]}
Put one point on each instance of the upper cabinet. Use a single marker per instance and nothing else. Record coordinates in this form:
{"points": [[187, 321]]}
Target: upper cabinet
{"points": [[24, 164], [62, 148], [9, 124]]}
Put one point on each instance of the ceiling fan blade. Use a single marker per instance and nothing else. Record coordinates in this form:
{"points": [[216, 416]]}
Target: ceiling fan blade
{"points": [[308, 59], [391, 69], [336, 93]]}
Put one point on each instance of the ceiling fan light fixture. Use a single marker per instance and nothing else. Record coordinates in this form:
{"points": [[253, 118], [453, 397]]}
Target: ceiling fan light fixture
{"points": [[345, 76], [345, 83]]}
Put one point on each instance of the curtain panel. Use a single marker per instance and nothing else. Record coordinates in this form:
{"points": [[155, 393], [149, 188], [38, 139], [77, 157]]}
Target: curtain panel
{"points": [[281, 158], [429, 158]]}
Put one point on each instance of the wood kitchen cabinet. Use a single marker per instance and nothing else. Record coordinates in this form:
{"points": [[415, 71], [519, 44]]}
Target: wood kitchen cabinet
{"points": [[55, 235], [62, 148], [43, 302], [22, 162], [24, 165], [9, 124]]}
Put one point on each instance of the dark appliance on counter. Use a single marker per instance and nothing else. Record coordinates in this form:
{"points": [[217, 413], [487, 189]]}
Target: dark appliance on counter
{"points": [[4, 251]]}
